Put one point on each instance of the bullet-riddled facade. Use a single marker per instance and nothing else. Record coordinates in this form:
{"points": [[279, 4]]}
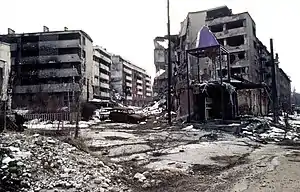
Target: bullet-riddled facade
{"points": [[130, 82]]}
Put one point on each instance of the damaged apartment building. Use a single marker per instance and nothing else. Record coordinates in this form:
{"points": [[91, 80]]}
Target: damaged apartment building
{"points": [[130, 83], [50, 69], [5, 67], [248, 60], [101, 82]]}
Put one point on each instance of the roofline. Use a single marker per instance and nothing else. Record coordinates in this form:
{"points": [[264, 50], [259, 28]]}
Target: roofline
{"points": [[284, 74], [50, 32], [3, 43], [102, 49], [144, 70]]}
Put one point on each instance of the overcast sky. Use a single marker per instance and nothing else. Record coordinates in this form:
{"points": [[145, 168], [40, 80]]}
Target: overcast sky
{"points": [[127, 27]]}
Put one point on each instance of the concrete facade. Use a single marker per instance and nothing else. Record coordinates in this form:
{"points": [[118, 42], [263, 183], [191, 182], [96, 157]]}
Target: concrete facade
{"points": [[101, 74], [5, 69], [249, 58], [130, 82], [50, 69]]}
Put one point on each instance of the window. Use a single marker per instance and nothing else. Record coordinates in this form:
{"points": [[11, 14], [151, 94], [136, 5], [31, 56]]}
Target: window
{"points": [[216, 28], [235, 41], [235, 24], [83, 54], [242, 55], [83, 41]]}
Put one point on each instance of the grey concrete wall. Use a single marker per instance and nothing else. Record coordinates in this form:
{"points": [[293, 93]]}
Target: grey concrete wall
{"points": [[5, 60], [88, 74]]}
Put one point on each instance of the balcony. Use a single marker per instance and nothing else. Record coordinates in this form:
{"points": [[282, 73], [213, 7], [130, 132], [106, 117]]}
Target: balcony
{"points": [[148, 84], [108, 60], [61, 43], [128, 97], [128, 78], [102, 66], [139, 81], [149, 89], [231, 32], [51, 59], [139, 87], [129, 84], [128, 71], [48, 73], [233, 49], [104, 76], [140, 93], [48, 88], [104, 94], [148, 94], [104, 85]]}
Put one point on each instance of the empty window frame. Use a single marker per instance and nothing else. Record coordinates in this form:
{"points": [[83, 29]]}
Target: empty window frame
{"points": [[235, 24], [235, 41]]}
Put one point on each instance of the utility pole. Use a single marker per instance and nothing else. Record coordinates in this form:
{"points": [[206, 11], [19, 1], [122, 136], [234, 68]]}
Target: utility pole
{"points": [[169, 66], [274, 85]]}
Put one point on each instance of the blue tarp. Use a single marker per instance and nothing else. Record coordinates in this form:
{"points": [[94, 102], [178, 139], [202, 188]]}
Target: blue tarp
{"points": [[206, 39]]}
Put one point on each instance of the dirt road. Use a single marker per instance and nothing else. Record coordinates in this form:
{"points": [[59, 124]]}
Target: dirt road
{"points": [[179, 159]]}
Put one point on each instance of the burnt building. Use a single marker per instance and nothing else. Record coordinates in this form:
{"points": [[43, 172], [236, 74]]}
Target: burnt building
{"points": [[5, 68], [50, 69], [248, 58], [131, 83], [284, 91], [101, 75]]}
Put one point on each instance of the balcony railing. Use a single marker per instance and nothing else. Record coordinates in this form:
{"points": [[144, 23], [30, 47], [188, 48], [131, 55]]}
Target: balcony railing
{"points": [[231, 32], [51, 59], [128, 71], [148, 84], [104, 94], [128, 97], [104, 85], [104, 76], [48, 73], [48, 88], [148, 94], [128, 78], [148, 89], [139, 81], [102, 66], [129, 84], [140, 93], [139, 87]]}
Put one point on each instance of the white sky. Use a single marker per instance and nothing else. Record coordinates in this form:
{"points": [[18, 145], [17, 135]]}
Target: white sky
{"points": [[128, 27]]}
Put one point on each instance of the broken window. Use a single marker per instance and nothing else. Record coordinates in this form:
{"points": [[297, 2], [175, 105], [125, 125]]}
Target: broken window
{"points": [[68, 36], [83, 40], [254, 31], [232, 58], [221, 41], [235, 24], [242, 55], [254, 44], [235, 41], [216, 28], [66, 51]]}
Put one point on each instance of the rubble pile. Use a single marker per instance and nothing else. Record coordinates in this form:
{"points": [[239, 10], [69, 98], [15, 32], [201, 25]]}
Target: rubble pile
{"points": [[156, 109], [263, 129], [38, 163]]}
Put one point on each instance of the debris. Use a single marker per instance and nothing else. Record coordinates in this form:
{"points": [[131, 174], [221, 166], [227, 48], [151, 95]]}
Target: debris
{"points": [[140, 177], [54, 165]]}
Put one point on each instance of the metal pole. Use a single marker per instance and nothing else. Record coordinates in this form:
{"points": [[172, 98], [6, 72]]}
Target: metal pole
{"points": [[4, 116], [188, 86], [274, 88], [221, 80], [169, 65]]}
